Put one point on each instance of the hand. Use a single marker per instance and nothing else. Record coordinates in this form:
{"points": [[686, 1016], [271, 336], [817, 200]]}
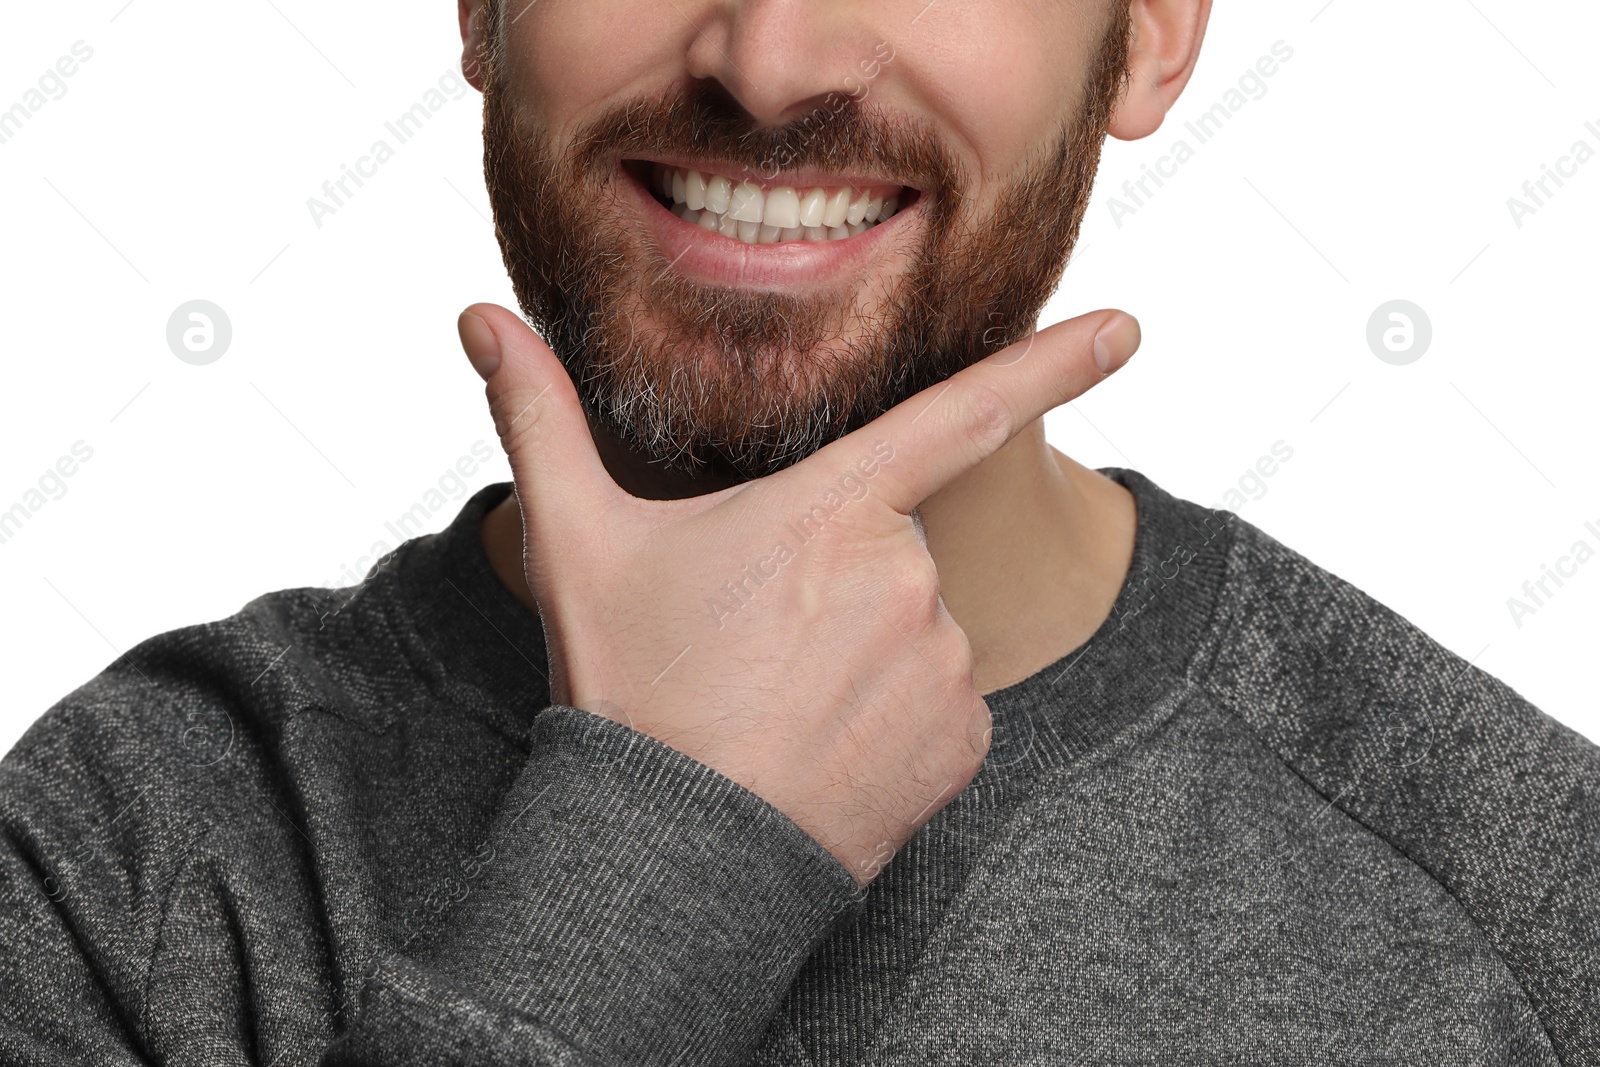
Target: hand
{"points": [[787, 632]]}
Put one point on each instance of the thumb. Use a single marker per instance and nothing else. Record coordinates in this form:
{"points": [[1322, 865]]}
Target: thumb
{"points": [[559, 477]]}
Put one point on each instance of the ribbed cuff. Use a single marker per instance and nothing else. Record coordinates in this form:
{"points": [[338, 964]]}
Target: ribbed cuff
{"points": [[644, 905]]}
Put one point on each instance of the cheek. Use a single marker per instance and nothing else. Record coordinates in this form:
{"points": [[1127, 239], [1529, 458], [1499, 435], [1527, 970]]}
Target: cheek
{"points": [[571, 59], [1001, 76]]}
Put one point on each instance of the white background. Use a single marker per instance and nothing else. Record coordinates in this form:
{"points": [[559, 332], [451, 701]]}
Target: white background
{"points": [[1377, 166]]}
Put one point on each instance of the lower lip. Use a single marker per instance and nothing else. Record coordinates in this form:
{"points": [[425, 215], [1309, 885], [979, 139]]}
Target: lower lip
{"points": [[785, 266]]}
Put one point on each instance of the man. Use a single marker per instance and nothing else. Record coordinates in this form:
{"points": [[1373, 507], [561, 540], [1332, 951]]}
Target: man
{"points": [[801, 705]]}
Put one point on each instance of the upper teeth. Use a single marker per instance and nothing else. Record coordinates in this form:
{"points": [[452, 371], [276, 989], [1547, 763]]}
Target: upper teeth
{"points": [[747, 212]]}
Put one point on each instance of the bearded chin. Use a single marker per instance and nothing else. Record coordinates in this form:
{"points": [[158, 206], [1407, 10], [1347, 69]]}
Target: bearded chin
{"points": [[697, 378], [738, 384]]}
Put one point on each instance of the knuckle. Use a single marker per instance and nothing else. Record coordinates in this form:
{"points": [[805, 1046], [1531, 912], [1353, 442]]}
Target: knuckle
{"points": [[980, 728], [957, 653], [912, 589], [968, 743], [520, 415], [986, 416]]}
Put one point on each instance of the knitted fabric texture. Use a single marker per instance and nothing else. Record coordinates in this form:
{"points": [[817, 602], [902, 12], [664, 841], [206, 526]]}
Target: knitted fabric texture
{"points": [[1257, 818]]}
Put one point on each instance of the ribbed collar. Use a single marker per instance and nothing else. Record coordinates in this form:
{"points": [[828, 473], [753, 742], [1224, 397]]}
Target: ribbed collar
{"points": [[1141, 651]]}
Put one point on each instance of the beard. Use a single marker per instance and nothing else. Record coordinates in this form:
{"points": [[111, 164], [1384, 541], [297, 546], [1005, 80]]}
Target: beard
{"points": [[735, 384]]}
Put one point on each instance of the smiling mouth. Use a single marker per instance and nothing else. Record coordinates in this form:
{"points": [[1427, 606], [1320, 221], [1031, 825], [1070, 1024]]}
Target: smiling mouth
{"points": [[765, 214]]}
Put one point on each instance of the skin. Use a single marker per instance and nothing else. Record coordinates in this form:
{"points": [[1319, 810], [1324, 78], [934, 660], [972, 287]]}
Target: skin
{"points": [[1066, 531], [1029, 547]]}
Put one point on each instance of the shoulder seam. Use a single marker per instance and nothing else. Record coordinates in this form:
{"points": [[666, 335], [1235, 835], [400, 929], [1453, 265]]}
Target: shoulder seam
{"points": [[1202, 681], [1218, 630], [184, 862], [1333, 802]]}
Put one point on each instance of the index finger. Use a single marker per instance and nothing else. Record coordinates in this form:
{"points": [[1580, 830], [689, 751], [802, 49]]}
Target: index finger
{"points": [[949, 428]]}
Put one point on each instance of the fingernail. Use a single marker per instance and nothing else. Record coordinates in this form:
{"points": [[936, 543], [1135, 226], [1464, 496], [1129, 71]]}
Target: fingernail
{"points": [[1116, 342], [480, 343]]}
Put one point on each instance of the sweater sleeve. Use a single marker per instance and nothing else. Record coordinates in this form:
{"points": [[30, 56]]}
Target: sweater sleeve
{"points": [[68, 979], [633, 906], [629, 905], [1497, 801]]}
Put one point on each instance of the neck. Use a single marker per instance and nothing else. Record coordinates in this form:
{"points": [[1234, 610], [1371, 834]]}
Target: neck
{"points": [[1032, 548]]}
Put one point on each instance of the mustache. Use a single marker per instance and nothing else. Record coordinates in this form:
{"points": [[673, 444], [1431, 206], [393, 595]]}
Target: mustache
{"points": [[842, 135]]}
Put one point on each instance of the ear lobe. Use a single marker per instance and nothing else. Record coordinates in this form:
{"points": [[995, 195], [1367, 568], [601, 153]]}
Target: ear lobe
{"points": [[1143, 106], [1166, 45]]}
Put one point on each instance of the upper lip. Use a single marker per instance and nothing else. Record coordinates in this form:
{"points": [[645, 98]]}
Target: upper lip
{"points": [[799, 178]]}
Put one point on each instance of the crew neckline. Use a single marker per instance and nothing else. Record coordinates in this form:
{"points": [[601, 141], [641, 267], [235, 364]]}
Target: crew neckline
{"points": [[1140, 650], [476, 633]]}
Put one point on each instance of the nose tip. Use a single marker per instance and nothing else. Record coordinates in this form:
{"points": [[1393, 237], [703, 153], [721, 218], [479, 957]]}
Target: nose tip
{"points": [[777, 58]]}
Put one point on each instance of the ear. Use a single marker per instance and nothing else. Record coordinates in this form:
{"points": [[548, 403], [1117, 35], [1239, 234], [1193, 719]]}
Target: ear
{"points": [[1166, 44], [472, 14]]}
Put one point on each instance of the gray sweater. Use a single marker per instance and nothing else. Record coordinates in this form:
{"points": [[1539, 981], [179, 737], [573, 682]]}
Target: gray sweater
{"points": [[1257, 818]]}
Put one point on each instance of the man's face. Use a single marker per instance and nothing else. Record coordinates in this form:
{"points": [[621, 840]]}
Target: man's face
{"points": [[769, 314]]}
